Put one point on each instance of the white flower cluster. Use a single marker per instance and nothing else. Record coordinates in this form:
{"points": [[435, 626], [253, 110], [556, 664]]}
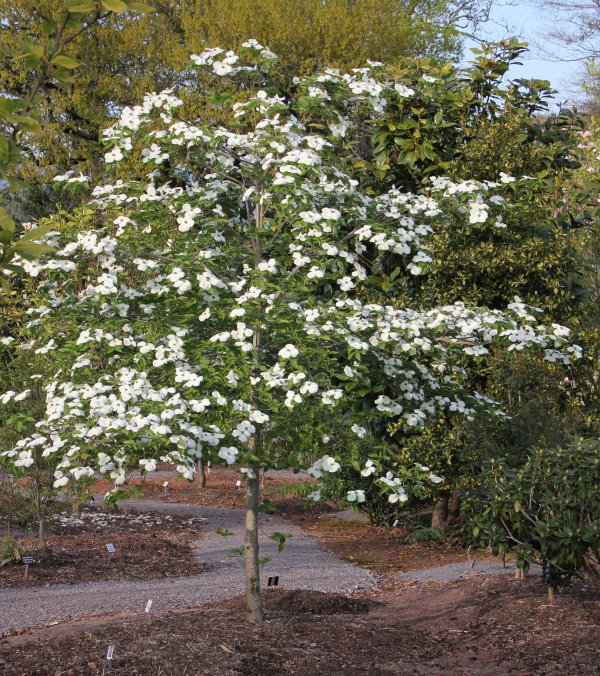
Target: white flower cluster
{"points": [[214, 316]]}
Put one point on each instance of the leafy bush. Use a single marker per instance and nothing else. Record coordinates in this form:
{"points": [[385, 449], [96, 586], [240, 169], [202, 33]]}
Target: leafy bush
{"points": [[546, 511], [17, 507], [11, 550]]}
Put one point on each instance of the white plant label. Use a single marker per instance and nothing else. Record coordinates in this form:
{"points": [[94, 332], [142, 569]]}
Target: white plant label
{"points": [[165, 484], [110, 548], [110, 652], [148, 605]]}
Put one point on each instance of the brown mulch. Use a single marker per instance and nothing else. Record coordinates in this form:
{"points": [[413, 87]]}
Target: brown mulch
{"points": [[475, 626], [220, 491], [144, 549], [384, 551]]}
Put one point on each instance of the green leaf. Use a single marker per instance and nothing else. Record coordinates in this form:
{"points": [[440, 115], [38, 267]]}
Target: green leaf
{"points": [[48, 28], [64, 61], [28, 123], [15, 184], [114, 6], [6, 222], [63, 78], [31, 250], [267, 507], [280, 539], [36, 233], [223, 532], [78, 7], [141, 7]]}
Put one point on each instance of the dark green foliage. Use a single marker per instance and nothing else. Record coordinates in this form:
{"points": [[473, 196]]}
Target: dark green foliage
{"points": [[545, 511], [34, 202], [473, 123]]}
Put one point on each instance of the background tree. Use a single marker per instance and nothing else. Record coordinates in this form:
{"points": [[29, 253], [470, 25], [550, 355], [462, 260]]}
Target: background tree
{"points": [[39, 60], [121, 59]]}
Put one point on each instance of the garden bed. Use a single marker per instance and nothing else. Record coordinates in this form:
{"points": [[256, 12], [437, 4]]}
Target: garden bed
{"points": [[146, 547]]}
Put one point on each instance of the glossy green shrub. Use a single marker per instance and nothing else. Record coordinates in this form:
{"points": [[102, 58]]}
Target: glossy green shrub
{"points": [[546, 511]]}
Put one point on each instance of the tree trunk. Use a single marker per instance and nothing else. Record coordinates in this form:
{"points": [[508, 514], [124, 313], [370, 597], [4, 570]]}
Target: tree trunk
{"points": [[550, 593], [40, 509], [76, 506], [254, 608], [42, 529], [440, 512], [201, 467], [453, 506]]}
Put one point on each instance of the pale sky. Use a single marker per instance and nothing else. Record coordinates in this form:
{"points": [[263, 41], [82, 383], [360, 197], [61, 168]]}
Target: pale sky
{"points": [[529, 23]]}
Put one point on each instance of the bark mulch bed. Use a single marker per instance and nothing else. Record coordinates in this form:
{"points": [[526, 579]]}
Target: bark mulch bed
{"points": [[146, 547], [476, 626], [384, 551], [222, 491]]}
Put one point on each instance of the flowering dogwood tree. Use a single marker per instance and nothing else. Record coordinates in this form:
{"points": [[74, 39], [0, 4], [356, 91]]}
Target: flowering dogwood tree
{"points": [[218, 309]]}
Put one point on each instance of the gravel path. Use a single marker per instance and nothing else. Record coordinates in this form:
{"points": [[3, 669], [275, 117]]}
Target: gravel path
{"points": [[302, 565], [456, 571]]}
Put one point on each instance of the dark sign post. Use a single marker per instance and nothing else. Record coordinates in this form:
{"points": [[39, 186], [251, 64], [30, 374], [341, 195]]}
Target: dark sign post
{"points": [[27, 560], [273, 581]]}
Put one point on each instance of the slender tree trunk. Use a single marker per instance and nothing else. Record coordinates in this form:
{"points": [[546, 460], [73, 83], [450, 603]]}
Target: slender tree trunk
{"points": [[254, 608], [453, 506], [42, 529], [40, 510], [201, 467], [550, 593], [440, 512], [76, 506]]}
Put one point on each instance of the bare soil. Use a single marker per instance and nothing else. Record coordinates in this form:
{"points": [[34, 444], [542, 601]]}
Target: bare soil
{"points": [[384, 551], [145, 547], [475, 626]]}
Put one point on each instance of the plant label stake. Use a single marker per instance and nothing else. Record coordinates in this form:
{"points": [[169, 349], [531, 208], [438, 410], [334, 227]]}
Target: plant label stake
{"points": [[165, 484], [109, 655], [273, 581], [27, 560], [110, 548], [148, 606]]}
